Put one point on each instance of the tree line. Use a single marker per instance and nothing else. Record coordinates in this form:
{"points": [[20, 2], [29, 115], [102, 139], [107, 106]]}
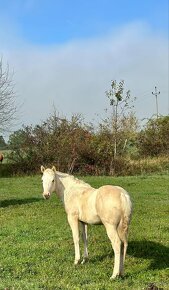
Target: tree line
{"points": [[75, 147]]}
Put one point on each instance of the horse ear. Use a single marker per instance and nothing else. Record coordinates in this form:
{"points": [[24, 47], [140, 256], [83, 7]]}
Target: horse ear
{"points": [[54, 168], [42, 168]]}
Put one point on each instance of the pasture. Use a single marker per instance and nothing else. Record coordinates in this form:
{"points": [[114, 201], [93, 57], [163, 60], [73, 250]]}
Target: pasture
{"points": [[36, 245]]}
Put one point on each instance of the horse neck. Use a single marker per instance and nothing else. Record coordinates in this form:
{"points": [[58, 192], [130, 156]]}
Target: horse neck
{"points": [[63, 183], [59, 187]]}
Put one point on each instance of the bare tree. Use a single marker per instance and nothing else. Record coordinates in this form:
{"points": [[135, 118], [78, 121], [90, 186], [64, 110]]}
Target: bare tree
{"points": [[8, 107], [122, 105], [119, 103]]}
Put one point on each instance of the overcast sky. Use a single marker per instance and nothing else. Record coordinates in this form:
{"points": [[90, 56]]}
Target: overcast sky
{"points": [[65, 53]]}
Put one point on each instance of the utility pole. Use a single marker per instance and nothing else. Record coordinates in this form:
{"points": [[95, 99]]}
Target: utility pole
{"points": [[156, 94]]}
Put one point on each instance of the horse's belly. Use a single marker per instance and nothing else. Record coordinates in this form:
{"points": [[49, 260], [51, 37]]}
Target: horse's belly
{"points": [[90, 219], [87, 212]]}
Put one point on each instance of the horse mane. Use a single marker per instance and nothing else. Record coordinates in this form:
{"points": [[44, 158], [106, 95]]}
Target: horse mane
{"points": [[72, 178]]}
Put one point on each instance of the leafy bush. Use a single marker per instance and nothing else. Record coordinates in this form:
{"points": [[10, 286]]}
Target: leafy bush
{"points": [[73, 146], [153, 140]]}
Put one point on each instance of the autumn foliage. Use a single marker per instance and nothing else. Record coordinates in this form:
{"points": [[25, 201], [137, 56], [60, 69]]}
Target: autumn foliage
{"points": [[75, 147]]}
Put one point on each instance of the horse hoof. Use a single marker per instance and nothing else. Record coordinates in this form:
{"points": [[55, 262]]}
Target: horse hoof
{"points": [[113, 277], [76, 262], [84, 261]]}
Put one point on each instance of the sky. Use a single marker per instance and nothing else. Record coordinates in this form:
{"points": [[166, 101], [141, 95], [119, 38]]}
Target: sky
{"points": [[65, 53]]}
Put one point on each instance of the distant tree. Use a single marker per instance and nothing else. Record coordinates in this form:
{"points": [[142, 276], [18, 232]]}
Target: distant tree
{"points": [[153, 140], [123, 122], [2, 143], [8, 108]]}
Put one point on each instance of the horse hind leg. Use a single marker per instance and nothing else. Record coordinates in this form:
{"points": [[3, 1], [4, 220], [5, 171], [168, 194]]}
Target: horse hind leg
{"points": [[123, 234], [116, 245], [84, 237]]}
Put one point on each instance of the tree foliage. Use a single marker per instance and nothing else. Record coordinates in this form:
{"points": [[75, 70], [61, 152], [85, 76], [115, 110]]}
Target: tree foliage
{"points": [[57, 141], [153, 140], [3, 144], [71, 145], [8, 108]]}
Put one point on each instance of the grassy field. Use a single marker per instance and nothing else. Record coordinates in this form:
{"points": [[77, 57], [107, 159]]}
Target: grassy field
{"points": [[36, 246]]}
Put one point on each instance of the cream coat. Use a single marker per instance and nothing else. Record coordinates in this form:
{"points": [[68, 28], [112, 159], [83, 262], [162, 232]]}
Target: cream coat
{"points": [[108, 205]]}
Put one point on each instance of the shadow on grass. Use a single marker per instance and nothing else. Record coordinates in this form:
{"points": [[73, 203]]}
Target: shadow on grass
{"points": [[156, 252], [13, 202]]}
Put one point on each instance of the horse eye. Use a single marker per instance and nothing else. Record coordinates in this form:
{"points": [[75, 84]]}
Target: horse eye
{"points": [[53, 180]]}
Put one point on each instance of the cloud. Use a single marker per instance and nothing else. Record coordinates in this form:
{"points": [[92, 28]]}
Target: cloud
{"points": [[74, 76]]}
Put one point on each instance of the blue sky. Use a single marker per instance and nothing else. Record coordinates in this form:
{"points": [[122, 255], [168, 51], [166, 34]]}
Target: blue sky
{"points": [[48, 22], [67, 52]]}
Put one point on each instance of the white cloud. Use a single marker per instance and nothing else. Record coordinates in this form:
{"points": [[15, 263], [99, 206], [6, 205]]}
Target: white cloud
{"points": [[74, 76]]}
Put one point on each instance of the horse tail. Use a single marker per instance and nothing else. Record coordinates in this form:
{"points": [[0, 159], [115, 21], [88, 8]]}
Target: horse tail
{"points": [[126, 216]]}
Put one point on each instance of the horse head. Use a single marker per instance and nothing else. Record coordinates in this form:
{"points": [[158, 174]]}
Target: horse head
{"points": [[48, 181]]}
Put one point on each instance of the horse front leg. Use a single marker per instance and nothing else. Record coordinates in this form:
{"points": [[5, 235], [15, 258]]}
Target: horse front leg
{"points": [[84, 237], [73, 222]]}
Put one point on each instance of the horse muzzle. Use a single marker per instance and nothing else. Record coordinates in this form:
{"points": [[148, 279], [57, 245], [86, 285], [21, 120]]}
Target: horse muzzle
{"points": [[46, 195]]}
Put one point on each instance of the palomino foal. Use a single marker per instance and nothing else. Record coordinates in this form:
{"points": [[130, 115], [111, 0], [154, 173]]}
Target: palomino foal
{"points": [[107, 205]]}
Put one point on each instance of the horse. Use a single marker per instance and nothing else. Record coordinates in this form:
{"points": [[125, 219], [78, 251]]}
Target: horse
{"points": [[1, 157], [108, 205]]}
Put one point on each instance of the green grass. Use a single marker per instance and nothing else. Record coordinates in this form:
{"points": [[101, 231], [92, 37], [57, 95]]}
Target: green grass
{"points": [[36, 246]]}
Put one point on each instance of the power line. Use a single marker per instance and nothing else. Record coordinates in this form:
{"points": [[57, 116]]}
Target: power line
{"points": [[156, 93]]}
